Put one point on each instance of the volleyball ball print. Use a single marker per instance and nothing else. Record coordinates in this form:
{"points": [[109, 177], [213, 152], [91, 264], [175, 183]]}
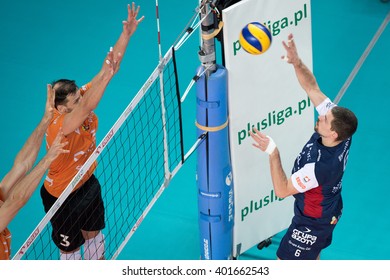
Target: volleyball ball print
{"points": [[255, 38]]}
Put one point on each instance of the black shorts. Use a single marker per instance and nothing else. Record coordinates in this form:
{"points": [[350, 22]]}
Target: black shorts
{"points": [[305, 238], [82, 210]]}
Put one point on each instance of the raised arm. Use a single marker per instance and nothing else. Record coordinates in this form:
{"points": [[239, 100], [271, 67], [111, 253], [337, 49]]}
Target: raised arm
{"points": [[304, 75], [22, 191], [91, 99], [129, 27], [282, 185], [26, 157], [99, 83]]}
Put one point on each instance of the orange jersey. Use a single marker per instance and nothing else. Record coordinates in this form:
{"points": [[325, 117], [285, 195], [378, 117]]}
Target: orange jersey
{"points": [[5, 244], [82, 143], [5, 239]]}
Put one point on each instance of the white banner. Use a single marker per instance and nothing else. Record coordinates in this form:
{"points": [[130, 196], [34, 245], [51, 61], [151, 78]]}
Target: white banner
{"points": [[264, 93]]}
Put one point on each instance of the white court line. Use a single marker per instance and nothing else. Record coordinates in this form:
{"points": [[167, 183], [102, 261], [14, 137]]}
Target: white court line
{"points": [[362, 59]]}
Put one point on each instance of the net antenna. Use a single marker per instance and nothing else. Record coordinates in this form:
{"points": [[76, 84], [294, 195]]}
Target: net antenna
{"points": [[163, 111]]}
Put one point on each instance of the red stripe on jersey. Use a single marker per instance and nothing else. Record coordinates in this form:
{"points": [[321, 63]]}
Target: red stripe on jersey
{"points": [[312, 203]]}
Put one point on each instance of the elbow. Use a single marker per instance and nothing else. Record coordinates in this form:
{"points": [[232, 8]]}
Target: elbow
{"points": [[19, 199], [281, 194], [281, 190], [23, 166]]}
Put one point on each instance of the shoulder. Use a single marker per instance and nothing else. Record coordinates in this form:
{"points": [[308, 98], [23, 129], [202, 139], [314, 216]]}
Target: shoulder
{"points": [[348, 142], [85, 88], [312, 143]]}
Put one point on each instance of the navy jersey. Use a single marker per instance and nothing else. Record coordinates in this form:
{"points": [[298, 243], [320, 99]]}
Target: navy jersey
{"points": [[317, 175]]}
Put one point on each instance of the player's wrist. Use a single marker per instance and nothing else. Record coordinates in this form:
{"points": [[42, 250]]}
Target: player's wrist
{"points": [[271, 146], [297, 62]]}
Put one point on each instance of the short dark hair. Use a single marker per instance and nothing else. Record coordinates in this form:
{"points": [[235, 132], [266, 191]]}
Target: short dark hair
{"points": [[344, 123], [64, 88]]}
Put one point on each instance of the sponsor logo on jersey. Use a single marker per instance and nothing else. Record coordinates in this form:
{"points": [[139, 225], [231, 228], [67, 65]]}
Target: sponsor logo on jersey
{"points": [[304, 237], [306, 179], [299, 182], [334, 220]]}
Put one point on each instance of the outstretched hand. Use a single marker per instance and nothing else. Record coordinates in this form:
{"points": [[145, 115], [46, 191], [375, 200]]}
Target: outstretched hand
{"points": [[292, 56], [49, 103], [130, 25], [262, 141], [57, 147]]}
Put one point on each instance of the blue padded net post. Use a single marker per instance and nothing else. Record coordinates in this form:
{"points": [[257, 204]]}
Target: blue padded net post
{"points": [[214, 176]]}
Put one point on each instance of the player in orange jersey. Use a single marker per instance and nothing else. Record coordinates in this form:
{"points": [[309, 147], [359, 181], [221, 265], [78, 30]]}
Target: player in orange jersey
{"points": [[80, 219], [17, 186]]}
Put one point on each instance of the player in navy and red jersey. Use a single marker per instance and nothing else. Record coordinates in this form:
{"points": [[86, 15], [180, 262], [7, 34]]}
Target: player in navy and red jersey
{"points": [[316, 179]]}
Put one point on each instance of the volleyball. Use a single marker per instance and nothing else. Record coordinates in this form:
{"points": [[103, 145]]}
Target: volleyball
{"points": [[255, 38]]}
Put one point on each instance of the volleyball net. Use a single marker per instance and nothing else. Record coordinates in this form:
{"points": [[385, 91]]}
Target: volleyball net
{"points": [[136, 160], [143, 151]]}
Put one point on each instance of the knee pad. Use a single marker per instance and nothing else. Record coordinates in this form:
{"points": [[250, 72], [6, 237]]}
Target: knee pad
{"points": [[76, 255], [94, 247]]}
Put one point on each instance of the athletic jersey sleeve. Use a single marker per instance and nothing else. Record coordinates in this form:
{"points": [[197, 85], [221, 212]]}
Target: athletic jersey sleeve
{"points": [[305, 179], [85, 88], [325, 106], [5, 244]]}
